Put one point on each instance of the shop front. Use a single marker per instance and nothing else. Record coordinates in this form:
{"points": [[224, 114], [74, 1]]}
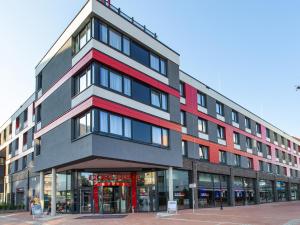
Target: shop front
{"points": [[294, 192], [213, 190], [116, 192], [281, 188], [266, 192], [244, 193]]}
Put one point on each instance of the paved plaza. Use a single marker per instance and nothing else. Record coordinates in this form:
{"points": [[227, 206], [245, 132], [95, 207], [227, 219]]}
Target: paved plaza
{"points": [[287, 213]]}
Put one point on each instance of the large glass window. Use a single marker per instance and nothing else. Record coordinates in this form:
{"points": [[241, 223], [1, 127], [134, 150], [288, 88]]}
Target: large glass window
{"points": [[83, 81], [110, 123], [183, 118], [103, 33], [248, 143], [103, 76], [115, 82], [154, 62], [83, 124], [181, 89], [126, 46], [82, 38], [159, 99], [115, 39], [116, 125]]}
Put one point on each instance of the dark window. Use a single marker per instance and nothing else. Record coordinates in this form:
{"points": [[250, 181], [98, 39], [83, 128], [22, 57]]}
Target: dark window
{"points": [[10, 129], [83, 125], [24, 162], [236, 138], [25, 115], [282, 140], [249, 163], [203, 152], [17, 165], [183, 118], [184, 148], [141, 131], [275, 137], [220, 108], [247, 123], [277, 153], [202, 125], [17, 143], [38, 113], [10, 148], [258, 128], [201, 99], [25, 136], [39, 82], [17, 122], [37, 146], [269, 151], [237, 160], [259, 146], [222, 157], [269, 167], [182, 89], [268, 132], [277, 169], [235, 116], [248, 143], [141, 92], [221, 132], [140, 54]]}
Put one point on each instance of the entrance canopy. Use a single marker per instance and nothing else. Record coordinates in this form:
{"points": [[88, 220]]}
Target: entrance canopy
{"points": [[107, 164]]}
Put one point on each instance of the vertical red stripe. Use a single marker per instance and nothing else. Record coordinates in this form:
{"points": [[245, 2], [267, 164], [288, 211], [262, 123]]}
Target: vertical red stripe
{"points": [[133, 190]]}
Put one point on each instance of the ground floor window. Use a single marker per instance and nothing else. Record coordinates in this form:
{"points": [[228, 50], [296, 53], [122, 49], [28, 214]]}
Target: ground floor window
{"points": [[266, 192], [281, 188], [244, 193], [213, 190], [294, 191]]}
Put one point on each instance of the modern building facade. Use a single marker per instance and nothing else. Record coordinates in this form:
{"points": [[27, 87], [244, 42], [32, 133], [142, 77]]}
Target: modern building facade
{"points": [[120, 128]]}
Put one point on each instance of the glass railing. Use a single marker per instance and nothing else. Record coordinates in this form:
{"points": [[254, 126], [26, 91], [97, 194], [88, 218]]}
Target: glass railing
{"points": [[128, 18]]}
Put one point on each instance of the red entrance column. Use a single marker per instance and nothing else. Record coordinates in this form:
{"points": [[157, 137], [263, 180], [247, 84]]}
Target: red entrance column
{"points": [[96, 199], [133, 190]]}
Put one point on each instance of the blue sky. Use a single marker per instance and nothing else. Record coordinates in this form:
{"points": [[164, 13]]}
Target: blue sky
{"points": [[247, 50]]}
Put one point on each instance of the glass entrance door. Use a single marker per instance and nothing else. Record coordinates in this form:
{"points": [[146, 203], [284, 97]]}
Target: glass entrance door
{"points": [[114, 199], [85, 201]]}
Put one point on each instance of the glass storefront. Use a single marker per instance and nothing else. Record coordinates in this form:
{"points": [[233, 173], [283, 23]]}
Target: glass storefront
{"points": [[213, 190], [146, 191], [266, 193], [244, 193], [281, 188], [294, 192], [63, 192]]}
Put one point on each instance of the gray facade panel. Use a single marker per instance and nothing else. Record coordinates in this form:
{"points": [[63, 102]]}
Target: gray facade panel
{"points": [[173, 74], [212, 131], [241, 121], [57, 66], [227, 114], [192, 150], [211, 106], [174, 108], [114, 148], [60, 100], [192, 124], [57, 147]]}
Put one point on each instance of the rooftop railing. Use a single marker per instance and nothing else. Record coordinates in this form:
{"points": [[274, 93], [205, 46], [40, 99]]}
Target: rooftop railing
{"points": [[118, 11]]}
